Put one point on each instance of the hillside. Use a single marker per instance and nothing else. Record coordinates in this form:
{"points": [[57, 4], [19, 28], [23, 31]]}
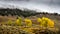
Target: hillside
{"points": [[12, 14]]}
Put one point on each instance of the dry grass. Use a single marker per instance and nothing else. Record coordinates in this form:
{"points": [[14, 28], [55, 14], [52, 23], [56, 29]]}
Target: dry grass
{"points": [[8, 29]]}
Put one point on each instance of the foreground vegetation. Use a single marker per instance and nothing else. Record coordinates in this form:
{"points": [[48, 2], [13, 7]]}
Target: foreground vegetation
{"points": [[26, 26]]}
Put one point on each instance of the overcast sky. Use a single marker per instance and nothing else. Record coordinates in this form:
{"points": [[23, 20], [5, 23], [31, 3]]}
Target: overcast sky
{"points": [[44, 5]]}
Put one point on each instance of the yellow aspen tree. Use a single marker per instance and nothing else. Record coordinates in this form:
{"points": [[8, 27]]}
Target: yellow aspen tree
{"points": [[50, 23], [44, 22], [39, 20], [28, 22], [19, 21]]}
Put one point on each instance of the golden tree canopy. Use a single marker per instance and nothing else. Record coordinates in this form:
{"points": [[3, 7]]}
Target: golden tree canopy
{"points": [[18, 21], [48, 22], [28, 22]]}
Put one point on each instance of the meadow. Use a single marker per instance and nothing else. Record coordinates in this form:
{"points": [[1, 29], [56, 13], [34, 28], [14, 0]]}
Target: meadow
{"points": [[16, 21]]}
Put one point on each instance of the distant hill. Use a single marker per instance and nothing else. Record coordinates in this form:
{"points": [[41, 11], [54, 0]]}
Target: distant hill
{"points": [[16, 12], [20, 12]]}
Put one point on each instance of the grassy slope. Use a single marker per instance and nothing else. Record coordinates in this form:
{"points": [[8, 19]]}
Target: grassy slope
{"points": [[54, 16], [11, 14]]}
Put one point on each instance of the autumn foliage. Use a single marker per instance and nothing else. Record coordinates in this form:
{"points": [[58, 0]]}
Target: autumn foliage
{"points": [[28, 22], [43, 22], [19, 21]]}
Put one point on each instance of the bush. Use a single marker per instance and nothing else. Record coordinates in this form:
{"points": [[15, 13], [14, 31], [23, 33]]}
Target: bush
{"points": [[19, 21], [45, 22], [28, 22]]}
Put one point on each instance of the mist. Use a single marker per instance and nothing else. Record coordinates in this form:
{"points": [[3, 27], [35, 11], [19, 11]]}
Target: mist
{"points": [[51, 6]]}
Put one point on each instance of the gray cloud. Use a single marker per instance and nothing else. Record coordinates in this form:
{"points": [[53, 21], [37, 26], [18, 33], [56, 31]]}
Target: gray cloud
{"points": [[38, 1], [14, 0], [44, 5]]}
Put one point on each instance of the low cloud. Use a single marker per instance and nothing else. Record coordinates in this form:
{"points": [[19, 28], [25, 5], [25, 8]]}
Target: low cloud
{"points": [[44, 5]]}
